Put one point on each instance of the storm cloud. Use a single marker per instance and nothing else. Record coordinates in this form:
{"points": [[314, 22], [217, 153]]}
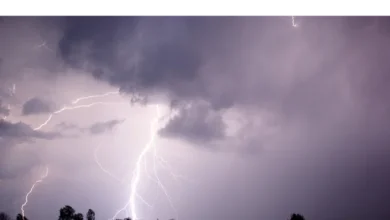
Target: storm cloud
{"points": [[323, 81], [3, 109], [197, 123], [20, 130], [228, 62], [101, 127], [36, 106], [308, 104], [96, 128]]}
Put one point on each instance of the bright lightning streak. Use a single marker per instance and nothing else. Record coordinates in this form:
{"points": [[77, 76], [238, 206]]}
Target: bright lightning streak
{"points": [[32, 188], [66, 108], [166, 166], [49, 119], [161, 185], [294, 24], [137, 172], [101, 167], [94, 96], [136, 177], [115, 177], [141, 165]]}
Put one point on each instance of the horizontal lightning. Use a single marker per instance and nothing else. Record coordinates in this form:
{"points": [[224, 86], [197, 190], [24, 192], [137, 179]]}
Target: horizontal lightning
{"points": [[94, 96], [67, 108]]}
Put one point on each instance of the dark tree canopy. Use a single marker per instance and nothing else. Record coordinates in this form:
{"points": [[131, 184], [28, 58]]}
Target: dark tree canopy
{"points": [[4, 216], [78, 216], [90, 215], [66, 213], [21, 217], [297, 217]]}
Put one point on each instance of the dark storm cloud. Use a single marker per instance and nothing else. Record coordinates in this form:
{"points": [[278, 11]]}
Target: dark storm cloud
{"points": [[4, 93], [325, 81], [66, 126], [101, 127], [12, 134], [22, 131], [14, 170], [94, 129], [3, 109], [197, 123], [144, 62], [224, 61], [35, 106]]}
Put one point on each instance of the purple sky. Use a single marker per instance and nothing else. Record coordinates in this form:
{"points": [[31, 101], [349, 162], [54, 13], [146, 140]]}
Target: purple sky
{"points": [[260, 119]]}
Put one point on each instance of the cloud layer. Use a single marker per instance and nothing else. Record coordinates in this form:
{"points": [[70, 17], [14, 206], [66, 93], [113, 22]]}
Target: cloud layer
{"points": [[309, 104], [36, 106]]}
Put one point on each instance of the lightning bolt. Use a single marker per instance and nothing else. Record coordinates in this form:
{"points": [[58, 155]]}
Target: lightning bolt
{"points": [[94, 96], [141, 165], [101, 167], [293, 11], [160, 183], [294, 24], [32, 188], [67, 108], [137, 172], [136, 178], [115, 177]]}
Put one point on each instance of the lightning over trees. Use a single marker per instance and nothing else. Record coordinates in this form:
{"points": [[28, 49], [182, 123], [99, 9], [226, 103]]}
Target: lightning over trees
{"points": [[32, 188], [69, 213], [21, 217]]}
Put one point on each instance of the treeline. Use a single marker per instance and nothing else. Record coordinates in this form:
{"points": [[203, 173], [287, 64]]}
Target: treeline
{"points": [[68, 213]]}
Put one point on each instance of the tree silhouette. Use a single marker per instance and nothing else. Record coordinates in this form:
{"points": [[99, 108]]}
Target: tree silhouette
{"points": [[4, 216], [21, 217], [78, 216], [90, 214], [66, 213], [297, 217]]}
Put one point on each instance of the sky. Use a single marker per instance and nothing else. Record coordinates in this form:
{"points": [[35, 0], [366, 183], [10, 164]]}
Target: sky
{"points": [[258, 118]]}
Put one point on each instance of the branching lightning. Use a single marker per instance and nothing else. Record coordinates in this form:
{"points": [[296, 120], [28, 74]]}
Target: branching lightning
{"points": [[48, 120], [32, 188], [142, 166], [137, 172]]}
